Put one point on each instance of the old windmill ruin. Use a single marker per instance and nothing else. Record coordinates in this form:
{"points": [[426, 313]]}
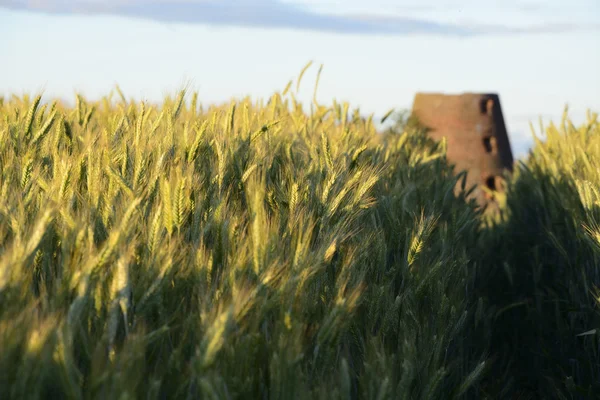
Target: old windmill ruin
{"points": [[476, 136]]}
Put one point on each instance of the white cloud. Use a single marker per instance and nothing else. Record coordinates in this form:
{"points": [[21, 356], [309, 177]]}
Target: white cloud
{"points": [[383, 17]]}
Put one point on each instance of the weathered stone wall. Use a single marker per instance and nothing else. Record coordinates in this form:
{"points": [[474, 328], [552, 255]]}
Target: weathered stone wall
{"points": [[476, 135]]}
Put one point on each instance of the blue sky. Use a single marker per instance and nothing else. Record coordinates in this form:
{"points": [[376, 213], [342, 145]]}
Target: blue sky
{"points": [[538, 55]]}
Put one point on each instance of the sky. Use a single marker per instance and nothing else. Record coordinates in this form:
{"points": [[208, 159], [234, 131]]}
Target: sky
{"points": [[537, 55]]}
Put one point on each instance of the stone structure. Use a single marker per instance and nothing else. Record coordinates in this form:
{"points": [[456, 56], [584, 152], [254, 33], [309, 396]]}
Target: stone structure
{"points": [[476, 136]]}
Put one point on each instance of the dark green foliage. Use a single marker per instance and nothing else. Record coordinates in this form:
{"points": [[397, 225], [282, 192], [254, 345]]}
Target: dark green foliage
{"points": [[543, 270]]}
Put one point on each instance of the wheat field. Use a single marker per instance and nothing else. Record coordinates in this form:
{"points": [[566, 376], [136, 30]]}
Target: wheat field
{"points": [[259, 250]]}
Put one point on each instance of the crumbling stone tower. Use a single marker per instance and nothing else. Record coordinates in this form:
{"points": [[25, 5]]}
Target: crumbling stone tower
{"points": [[476, 136]]}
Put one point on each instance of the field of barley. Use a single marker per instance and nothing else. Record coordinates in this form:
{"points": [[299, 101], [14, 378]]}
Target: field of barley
{"points": [[257, 250]]}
